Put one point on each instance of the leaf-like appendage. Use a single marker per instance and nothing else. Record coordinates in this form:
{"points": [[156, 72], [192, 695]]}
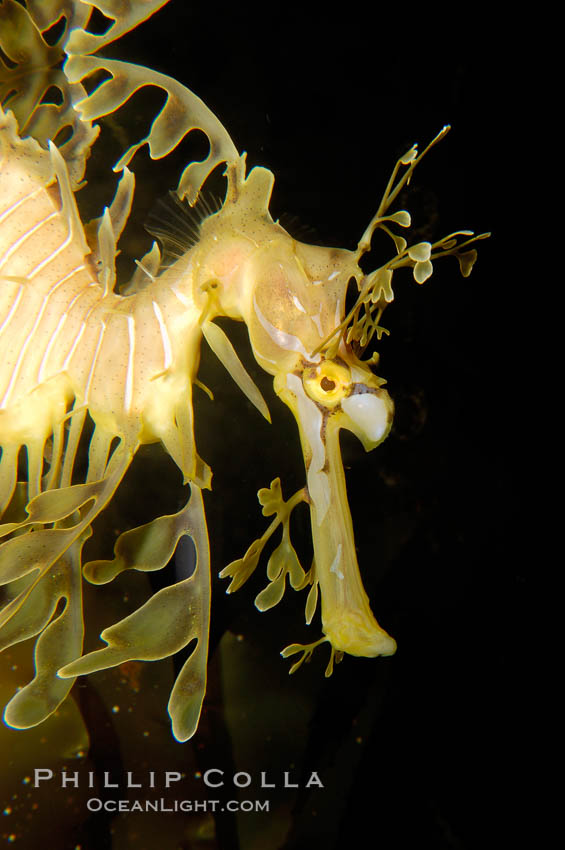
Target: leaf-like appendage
{"points": [[126, 14], [27, 86], [59, 642], [168, 621], [220, 344], [272, 594], [305, 649], [242, 568], [182, 113], [147, 548], [375, 289], [284, 558], [271, 498]]}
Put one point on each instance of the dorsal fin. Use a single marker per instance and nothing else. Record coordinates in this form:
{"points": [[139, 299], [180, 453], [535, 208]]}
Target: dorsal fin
{"points": [[177, 225]]}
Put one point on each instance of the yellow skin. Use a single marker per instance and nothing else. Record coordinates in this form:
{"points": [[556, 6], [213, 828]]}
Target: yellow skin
{"points": [[291, 296], [71, 346]]}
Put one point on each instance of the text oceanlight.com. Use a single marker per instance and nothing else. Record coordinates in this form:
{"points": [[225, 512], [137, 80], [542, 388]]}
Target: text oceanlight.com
{"points": [[95, 804]]}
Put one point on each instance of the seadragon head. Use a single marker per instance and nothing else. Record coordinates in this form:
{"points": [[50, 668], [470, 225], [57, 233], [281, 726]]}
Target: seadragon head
{"points": [[292, 297], [296, 300]]}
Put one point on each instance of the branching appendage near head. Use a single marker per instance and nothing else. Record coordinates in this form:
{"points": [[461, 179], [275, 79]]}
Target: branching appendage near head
{"points": [[362, 322]]}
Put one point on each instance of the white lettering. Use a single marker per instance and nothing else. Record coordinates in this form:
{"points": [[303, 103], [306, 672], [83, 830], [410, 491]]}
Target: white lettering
{"points": [[287, 782], [208, 781], [41, 773], [314, 780], [264, 783], [107, 783], [131, 783], [69, 779], [244, 782]]}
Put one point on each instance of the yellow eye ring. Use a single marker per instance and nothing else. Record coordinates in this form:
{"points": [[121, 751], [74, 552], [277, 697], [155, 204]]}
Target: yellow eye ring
{"points": [[327, 383]]}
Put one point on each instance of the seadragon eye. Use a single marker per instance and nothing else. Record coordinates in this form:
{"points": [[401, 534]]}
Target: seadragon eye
{"points": [[327, 383]]}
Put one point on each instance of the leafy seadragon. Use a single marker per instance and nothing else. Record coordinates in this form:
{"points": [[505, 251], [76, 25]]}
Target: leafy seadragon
{"points": [[76, 353]]}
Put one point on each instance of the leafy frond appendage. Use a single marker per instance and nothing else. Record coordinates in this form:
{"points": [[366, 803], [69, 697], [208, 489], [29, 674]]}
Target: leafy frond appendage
{"points": [[283, 560], [362, 322], [307, 650]]}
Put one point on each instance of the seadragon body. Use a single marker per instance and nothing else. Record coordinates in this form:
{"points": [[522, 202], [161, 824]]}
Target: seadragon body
{"points": [[75, 350]]}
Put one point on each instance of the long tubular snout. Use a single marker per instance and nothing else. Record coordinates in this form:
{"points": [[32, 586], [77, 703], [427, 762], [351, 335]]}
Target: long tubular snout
{"points": [[347, 619]]}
